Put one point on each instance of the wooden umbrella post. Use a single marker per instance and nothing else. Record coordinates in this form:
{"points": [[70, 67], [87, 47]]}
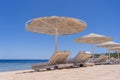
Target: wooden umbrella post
{"points": [[118, 55], [109, 53], [56, 41], [93, 52]]}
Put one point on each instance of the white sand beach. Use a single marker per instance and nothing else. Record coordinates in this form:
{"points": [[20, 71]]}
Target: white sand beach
{"points": [[100, 72]]}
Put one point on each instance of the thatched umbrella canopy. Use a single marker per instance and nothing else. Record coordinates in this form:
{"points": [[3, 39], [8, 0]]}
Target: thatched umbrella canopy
{"points": [[114, 48], [93, 38], [55, 25], [109, 44]]}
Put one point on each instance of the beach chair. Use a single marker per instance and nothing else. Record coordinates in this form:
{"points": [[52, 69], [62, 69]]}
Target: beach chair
{"points": [[101, 60], [80, 59], [115, 61], [57, 61]]}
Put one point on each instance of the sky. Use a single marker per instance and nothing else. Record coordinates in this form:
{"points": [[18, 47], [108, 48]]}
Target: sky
{"points": [[102, 17]]}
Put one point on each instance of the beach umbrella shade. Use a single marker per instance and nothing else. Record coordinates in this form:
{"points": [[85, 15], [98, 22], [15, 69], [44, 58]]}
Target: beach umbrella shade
{"points": [[117, 49], [55, 25], [93, 38], [109, 44], [113, 48]]}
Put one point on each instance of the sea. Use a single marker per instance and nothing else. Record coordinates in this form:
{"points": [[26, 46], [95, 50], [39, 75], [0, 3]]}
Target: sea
{"points": [[14, 65]]}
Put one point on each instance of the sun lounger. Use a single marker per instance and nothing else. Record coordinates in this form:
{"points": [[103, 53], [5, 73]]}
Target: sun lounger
{"points": [[117, 61], [57, 60], [101, 60], [80, 59], [114, 61]]}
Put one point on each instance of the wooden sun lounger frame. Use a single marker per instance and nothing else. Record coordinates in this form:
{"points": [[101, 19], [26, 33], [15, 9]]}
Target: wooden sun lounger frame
{"points": [[80, 59], [57, 61], [101, 60]]}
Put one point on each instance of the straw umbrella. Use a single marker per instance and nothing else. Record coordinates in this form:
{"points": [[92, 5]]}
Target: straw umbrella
{"points": [[93, 39], [117, 49], [55, 25], [109, 44]]}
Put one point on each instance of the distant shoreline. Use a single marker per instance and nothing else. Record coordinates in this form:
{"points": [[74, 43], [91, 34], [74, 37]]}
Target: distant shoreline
{"points": [[23, 59], [18, 64]]}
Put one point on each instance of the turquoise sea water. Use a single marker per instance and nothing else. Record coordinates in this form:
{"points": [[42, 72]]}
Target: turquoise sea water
{"points": [[12, 65]]}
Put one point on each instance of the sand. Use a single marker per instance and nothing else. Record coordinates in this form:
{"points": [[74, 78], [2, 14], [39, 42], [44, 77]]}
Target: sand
{"points": [[99, 72]]}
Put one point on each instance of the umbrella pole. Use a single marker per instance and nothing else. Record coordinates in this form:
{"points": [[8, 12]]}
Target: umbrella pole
{"points": [[118, 55], [56, 41], [93, 52], [109, 53]]}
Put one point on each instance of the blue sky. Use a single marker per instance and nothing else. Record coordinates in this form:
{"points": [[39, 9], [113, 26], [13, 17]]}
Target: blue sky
{"points": [[101, 16]]}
